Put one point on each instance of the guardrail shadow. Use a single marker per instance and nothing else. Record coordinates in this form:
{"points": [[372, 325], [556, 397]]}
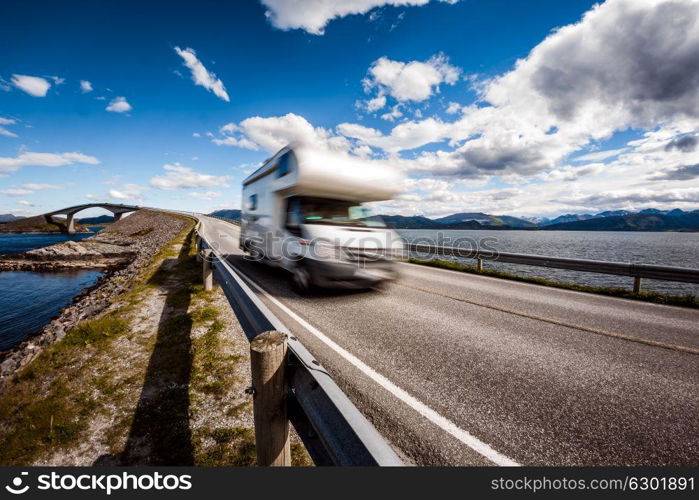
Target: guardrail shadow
{"points": [[160, 433]]}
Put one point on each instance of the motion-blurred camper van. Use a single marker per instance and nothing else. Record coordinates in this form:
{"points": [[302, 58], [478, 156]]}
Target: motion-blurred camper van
{"points": [[302, 211]]}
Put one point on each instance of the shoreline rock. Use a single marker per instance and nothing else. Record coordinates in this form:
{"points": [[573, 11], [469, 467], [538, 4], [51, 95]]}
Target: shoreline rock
{"points": [[123, 250]]}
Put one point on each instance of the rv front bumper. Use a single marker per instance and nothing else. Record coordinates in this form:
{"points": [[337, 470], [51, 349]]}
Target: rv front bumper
{"points": [[336, 274]]}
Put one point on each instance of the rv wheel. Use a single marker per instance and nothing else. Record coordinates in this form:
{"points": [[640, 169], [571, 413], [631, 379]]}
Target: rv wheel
{"points": [[301, 279]]}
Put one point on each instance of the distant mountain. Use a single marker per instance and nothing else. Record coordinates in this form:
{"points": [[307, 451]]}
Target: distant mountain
{"points": [[102, 219], [9, 217], [410, 222], [687, 221], [612, 213], [561, 219], [673, 213], [228, 213], [539, 221], [486, 220]]}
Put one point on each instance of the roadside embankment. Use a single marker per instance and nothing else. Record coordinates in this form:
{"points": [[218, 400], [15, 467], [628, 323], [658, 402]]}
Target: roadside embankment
{"points": [[157, 377], [123, 249]]}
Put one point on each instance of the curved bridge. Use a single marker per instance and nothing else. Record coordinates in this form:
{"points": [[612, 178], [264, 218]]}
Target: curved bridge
{"points": [[117, 210]]}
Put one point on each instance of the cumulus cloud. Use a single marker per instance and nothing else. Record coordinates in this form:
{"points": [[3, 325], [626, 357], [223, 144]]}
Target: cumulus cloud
{"points": [[626, 64], [406, 136], [132, 192], [684, 143], [29, 159], [683, 173], [413, 81], [200, 75], [180, 177], [119, 105], [85, 86], [205, 195], [275, 132], [313, 15], [33, 85]]}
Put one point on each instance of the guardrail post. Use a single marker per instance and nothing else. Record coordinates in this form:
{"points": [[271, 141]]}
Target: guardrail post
{"points": [[637, 284], [208, 269], [197, 243], [479, 264], [268, 363]]}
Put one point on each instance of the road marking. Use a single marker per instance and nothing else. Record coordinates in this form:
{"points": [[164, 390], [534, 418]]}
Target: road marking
{"points": [[444, 423], [596, 331]]}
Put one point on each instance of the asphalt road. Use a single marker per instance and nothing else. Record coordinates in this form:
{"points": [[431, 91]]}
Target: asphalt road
{"points": [[469, 370]]}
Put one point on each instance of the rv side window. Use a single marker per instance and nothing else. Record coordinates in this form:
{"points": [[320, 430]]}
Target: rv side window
{"points": [[252, 202], [283, 165]]}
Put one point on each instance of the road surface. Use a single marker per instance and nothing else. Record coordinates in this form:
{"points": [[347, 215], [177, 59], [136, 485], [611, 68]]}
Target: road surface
{"points": [[461, 369]]}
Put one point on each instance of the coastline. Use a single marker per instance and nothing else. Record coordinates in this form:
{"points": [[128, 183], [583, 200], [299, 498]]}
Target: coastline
{"points": [[140, 236]]}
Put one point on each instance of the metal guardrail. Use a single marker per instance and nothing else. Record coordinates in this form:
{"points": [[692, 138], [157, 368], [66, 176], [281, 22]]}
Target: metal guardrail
{"points": [[330, 426], [637, 271]]}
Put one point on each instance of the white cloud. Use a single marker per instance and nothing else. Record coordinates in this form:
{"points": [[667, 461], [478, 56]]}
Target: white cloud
{"points": [[196, 134], [7, 133], [376, 103], [600, 155], [206, 195], [92, 197], [32, 85], [36, 187], [453, 108], [200, 75], [181, 177], [412, 81], [313, 15], [16, 192], [25, 203], [275, 132], [85, 86], [407, 135], [28, 159], [132, 192], [119, 105], [3, 130]]}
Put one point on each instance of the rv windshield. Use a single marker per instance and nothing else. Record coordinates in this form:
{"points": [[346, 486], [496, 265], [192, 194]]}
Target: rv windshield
{"points": [[307, 210]]}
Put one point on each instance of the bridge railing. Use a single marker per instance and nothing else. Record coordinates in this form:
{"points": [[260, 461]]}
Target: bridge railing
{"points": [[333, 430], [636, 271]]}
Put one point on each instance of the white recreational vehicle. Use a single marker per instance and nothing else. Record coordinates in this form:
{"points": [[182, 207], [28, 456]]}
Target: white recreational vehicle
{"points": [[302, 211]]}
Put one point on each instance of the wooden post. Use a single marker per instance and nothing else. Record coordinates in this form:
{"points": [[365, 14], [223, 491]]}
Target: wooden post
{"points": [[208, 270], [637, 284], [479, 264], [268, 365]]}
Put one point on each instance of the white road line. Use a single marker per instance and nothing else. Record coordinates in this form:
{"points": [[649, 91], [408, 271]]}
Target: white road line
{"points": [[444, 423]]}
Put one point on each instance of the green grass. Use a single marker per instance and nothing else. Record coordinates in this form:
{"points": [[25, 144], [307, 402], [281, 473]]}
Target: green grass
{"points": [[49, 403], [674, 300]]}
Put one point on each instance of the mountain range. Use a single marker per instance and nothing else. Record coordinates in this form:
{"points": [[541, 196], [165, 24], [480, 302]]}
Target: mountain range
{"points": [[649, 219]]}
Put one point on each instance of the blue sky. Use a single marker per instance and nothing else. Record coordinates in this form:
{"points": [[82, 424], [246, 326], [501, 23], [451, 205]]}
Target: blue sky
{"points": [[313, 76]]}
